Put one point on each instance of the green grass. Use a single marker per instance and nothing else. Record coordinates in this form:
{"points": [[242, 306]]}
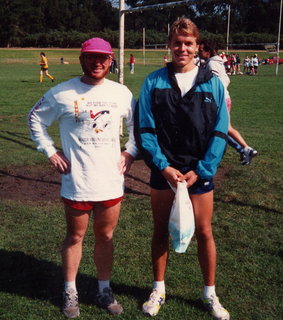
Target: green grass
{"points": [[247, 219]]}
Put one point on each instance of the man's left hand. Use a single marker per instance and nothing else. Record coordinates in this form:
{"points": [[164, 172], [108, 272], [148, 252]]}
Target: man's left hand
{"points": [[190, 177]]}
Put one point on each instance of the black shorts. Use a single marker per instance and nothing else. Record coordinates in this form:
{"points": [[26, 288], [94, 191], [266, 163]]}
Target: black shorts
{"points": [[157, 181], [44, 69]]}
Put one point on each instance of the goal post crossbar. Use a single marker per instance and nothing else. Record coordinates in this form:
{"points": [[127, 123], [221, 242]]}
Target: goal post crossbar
{"points": [[156, 6]]}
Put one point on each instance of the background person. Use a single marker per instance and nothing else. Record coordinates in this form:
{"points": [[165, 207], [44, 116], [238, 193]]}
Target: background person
{"points": [[113, 67], [91, 164], [44, 68], [181, 128], [165, 59], [229, 64], [246, 64], [252, 70], [223, 56], [233, 64], [208, 52], [132, 64], [255, 63], [238, 64]]}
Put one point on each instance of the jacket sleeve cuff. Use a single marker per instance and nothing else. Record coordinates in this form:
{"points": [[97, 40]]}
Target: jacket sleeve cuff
{"points": [[203, 172]]}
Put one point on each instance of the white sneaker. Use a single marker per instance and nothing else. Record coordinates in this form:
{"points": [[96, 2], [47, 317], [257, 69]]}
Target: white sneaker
{"points": [[154, 303], [216, 309], [70, 304]]}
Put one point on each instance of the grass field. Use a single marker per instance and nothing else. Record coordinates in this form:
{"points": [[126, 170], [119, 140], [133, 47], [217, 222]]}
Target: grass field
{"points": [[247, 220]]}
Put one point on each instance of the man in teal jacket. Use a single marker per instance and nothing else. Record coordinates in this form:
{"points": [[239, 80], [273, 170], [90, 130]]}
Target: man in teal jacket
{"points": [[181, 126]]}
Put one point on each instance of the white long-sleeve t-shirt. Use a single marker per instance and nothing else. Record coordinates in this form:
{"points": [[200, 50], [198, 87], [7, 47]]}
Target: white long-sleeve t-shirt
{"points": [[216, 65], [89, 121]]}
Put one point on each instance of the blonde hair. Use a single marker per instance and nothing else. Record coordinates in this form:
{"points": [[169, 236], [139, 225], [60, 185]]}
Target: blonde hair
{"points": [[185, 26]]}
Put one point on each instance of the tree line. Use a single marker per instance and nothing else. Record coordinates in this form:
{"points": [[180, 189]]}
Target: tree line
{"points": [[67, 23]]}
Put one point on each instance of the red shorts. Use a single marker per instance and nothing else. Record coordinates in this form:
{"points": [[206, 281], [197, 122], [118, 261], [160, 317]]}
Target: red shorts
{"points": [[88, 205]]}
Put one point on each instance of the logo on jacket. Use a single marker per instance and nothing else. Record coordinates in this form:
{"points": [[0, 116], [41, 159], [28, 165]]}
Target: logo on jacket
{"points": [[209, 100], [101, 120]]}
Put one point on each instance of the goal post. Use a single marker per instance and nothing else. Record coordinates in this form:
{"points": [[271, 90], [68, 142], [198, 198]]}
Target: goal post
{"points": [[123, 11]]}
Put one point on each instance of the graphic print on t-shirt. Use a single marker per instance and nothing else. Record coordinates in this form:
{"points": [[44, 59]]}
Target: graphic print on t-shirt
{"points": [[95, 121], [101, 120]]}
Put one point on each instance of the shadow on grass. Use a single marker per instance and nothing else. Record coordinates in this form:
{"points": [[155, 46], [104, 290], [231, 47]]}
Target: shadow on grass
{"points": [[246, 204], [27, 276], [21, 136], [18, 176], [18, 142]]}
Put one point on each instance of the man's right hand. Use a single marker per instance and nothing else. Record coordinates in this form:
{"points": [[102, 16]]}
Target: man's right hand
{"points": [[60, 162], [172, 175]]}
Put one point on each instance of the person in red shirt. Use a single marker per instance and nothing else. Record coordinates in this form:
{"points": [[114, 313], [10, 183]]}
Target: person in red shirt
{"points": [[132, 64]]}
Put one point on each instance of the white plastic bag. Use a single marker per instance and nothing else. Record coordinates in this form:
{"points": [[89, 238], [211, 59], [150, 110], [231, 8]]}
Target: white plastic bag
{"points": [[181, 221]]}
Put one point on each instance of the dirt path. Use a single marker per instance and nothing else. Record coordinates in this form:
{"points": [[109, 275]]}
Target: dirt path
{"points": [[42, 183]]}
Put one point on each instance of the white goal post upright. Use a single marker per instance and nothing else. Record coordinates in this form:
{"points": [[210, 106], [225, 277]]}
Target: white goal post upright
{"points": [[121, 51], [228, 29], [121, 40], [278, 41]]}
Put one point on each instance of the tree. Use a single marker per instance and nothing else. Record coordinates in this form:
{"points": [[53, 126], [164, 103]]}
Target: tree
{"points": [[19, 18], [211, 15]]}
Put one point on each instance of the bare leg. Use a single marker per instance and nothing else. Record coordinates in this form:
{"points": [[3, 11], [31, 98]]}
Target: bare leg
{"points": [[105, 222], [161, 202], [40, 76], [77, 222], [48, 75], [235, 134], [203, 210]]}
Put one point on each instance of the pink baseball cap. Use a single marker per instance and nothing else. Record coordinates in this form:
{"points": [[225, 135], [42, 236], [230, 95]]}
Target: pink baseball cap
{"points": [[96, 45]]}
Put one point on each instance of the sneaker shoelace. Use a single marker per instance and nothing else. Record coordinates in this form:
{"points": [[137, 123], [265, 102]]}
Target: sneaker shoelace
{"points": [[155, 298], [71, 299]]}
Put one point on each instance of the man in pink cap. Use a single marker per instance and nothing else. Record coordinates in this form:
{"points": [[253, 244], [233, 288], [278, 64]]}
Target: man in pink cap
{"points": [[91, 165]]}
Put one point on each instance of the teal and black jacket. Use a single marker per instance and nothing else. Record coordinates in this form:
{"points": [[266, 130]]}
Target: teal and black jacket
{"points": [[189, 131]]}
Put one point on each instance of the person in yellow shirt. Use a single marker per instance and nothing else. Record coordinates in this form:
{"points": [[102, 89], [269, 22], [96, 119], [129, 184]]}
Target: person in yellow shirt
{"points": [[44, 68]]}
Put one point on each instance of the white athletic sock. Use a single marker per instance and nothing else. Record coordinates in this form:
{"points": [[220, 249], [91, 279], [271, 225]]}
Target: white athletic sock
{"points": [[209, 291], [102, 284], [70, 285], [159, 286]]}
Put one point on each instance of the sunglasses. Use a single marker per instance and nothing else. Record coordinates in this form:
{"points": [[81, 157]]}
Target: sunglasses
{"points": [[97, 57]]}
